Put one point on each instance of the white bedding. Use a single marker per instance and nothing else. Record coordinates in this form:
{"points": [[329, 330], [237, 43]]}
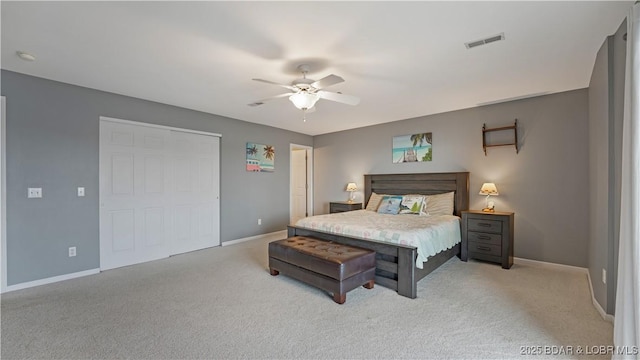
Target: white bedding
{"points": [[429, 234]]}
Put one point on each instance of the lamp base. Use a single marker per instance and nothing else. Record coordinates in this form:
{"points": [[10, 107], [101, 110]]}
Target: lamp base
{"points": [[351, 197], [490, 206]]}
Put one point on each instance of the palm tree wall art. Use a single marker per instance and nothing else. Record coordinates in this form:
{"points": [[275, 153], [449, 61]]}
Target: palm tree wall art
{"points": [[260, 157], [412, 148]]}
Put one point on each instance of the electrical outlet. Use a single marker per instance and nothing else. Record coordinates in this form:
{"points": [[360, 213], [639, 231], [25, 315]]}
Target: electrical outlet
{"points": [[72, 251], [34, 193], [604, 276], [259, 221]]}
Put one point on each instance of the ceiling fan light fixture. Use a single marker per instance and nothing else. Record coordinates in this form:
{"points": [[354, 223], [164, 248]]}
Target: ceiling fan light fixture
{"points": [[304, 100]]}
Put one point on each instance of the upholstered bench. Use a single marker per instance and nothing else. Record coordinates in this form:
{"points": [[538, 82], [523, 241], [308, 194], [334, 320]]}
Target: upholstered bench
{"points": [[330, 266]]}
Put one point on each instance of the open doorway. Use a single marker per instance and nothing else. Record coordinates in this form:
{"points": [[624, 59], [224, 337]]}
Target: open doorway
{"points": [[301, 182]]}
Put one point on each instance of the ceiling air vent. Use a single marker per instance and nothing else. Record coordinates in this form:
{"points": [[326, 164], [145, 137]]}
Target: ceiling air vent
{"points": [[490, 39]]}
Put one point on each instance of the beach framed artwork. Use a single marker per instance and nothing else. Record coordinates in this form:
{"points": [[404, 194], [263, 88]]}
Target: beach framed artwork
{"points": [[412, 148], [260, 157]]}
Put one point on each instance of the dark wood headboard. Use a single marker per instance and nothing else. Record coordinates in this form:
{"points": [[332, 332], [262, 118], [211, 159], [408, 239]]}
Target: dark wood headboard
{"points": [[421, 183]]}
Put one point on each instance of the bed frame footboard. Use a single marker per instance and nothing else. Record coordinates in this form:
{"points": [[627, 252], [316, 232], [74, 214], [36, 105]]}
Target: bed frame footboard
{"points": [[395, 263]]}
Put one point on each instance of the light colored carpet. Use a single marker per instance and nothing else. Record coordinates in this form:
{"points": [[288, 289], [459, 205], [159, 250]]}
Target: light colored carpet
{"points": [[221, 303]]}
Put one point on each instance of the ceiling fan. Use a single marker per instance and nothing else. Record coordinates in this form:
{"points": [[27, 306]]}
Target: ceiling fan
{"points": [[306, 92]]}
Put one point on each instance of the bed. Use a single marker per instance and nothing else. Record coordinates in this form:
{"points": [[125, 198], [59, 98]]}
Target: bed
{"points": [[396, 263]]}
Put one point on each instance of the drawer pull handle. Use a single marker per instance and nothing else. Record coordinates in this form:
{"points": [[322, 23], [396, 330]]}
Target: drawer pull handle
{"points": [[484, 248], [484, 224], [484, 237]]}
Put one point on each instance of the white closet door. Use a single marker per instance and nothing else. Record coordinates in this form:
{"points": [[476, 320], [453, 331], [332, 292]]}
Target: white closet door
{"points": [[196, 200], [134, 180], [159, 192]]}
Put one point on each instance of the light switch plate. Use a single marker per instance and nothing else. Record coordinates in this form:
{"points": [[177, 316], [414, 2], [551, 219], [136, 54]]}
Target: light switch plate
{"points": [[80, 191], [34, 193]]}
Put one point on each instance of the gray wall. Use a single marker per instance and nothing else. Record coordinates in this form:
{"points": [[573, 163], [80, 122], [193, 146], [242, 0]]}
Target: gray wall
{"points": [[606, 107], [599, 173], [546, 184], [619, 64], [52, 142]]}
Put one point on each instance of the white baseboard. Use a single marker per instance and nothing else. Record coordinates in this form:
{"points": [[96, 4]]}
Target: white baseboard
{"points": [[270, 236], [50, 280], [548, 265], [596, 304]]}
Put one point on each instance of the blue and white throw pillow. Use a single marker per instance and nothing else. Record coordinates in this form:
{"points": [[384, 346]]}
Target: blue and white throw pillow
{"points": [[390, 205]]}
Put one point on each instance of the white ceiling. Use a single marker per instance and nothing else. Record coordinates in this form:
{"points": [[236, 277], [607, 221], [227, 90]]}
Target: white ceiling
{"points": [[403, 59]]}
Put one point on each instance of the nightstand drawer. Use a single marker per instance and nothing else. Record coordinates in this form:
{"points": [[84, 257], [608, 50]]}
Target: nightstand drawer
{"points": [[484, 238], [481, 225], [337, 207], [487, 249]]}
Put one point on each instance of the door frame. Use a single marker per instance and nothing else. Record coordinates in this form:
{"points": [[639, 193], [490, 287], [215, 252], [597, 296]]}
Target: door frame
{"points": [[3, 195], [309, 150], [164, 127]]}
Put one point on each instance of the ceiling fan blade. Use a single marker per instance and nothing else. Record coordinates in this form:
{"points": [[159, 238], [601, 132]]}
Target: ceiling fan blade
{"points": [[327, 81], [341, 98], [260, 102], [275, 83]]}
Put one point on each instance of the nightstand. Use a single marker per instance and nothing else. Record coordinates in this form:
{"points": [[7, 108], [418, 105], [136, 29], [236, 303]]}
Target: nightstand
{"points": [[488, 236], [342, 206]]}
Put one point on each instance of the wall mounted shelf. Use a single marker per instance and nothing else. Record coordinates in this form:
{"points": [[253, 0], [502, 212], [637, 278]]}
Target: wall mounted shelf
{"points": [[513, 128]]}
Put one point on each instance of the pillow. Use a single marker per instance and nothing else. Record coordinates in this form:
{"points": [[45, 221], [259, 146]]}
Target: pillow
{"points": [[423, 210], [411, 204], [390, 204], [441, 204], [374, 202]]}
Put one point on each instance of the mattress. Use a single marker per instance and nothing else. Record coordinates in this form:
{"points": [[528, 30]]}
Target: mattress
{"points": [[429, 234]]}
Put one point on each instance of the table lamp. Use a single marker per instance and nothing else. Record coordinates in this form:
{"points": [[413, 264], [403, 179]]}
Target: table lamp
{"points": [[489, 189], [351, 187]]}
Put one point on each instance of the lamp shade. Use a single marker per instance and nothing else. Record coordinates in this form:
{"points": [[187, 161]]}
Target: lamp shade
{"points": [[303, 100], [488, 189], [352, 187]]}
